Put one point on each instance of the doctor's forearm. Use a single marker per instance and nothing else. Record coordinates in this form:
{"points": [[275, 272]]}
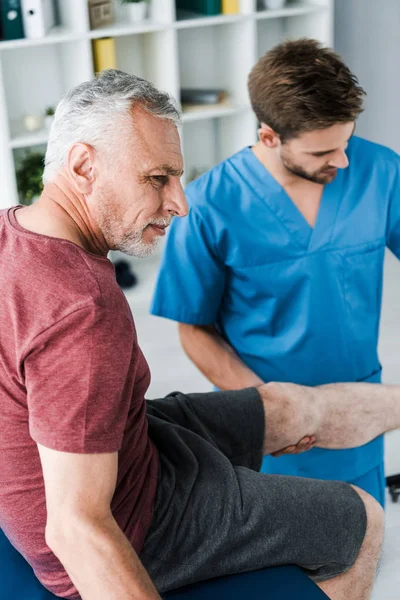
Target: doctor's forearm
{"points": [[215, 358]]}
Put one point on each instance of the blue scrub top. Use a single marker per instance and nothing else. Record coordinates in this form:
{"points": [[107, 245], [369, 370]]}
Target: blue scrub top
{"points": [[297, 303]]}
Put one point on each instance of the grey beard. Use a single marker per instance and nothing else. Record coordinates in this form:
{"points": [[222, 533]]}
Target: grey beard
{"points": [[134, 246]]}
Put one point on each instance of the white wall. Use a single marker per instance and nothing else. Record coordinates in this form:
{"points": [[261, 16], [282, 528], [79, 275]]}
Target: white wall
{"points": [[367, 35]]}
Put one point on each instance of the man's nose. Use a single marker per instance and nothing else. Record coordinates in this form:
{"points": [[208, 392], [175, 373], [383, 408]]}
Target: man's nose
{"points": [[340, 160], [176, 203]]}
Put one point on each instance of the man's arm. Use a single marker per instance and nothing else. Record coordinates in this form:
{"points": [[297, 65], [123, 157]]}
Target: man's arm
{"points": [[215, 358], [82, 532]]}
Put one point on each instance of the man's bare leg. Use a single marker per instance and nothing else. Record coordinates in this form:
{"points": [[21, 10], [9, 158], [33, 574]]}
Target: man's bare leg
{"points": [[338, 416], [343, 415], [357, 582]]}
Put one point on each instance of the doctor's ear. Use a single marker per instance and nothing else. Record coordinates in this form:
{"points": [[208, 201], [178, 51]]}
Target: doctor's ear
{"points": [[267, 136]]}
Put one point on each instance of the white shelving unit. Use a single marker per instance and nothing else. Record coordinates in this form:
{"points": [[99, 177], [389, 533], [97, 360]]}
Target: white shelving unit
{"points": [[170, 51]]}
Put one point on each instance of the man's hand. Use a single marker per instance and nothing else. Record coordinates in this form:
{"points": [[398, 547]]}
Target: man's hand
{"points": [[304, 445]]}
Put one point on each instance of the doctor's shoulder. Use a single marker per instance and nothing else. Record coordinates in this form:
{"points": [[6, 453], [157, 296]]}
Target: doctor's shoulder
{"points": [[373, 156], [215, 190]]}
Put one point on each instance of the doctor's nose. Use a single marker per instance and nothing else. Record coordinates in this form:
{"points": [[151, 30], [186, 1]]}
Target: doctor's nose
{"points": [[340, 160]]}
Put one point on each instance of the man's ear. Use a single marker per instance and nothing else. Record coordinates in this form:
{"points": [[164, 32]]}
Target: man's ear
{"points": [[267, 136], [80, 161]]}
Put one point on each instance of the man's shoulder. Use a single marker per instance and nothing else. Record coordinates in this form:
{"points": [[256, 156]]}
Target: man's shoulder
{"points": [[372, 151], [48, 279]]}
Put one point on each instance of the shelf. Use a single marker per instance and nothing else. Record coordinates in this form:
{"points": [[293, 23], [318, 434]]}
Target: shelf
{"points": [[61, 34], [290, 11], [25, 140], [56, 35], [213, 113], [185, 51], [125, 28], [197, 20], [37, 138]]}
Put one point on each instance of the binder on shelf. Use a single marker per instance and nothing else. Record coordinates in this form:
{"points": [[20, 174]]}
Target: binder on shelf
{"points": [[11, 19], [205, 7], [38, 17], [104, 55], [230, 7]]}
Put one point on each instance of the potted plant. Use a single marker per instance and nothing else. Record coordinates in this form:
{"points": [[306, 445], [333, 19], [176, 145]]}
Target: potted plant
{"points": [[135, 10], [49, 116], [29, 177]]}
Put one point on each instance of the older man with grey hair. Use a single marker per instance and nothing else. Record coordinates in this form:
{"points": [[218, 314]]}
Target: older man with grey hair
{"points": [[107, 496]]}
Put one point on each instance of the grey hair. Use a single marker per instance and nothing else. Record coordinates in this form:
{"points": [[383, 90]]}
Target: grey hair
{"points": [[95, 111]]}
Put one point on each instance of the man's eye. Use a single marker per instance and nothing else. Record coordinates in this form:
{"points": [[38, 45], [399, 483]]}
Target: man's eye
{"points": [[160, 179]]}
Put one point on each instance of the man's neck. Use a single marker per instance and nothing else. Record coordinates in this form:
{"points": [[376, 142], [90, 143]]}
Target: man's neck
{"points": [[287, 179], [62, 212], [305, 194]]}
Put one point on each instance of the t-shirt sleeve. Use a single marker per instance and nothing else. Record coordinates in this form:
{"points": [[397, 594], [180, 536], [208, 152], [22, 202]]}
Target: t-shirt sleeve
{"points": [[191, 279], [75, 376], [393, 229]]}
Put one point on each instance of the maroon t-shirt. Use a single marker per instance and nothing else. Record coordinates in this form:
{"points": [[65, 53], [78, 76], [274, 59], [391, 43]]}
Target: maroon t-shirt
{"points": [[72, 378]]}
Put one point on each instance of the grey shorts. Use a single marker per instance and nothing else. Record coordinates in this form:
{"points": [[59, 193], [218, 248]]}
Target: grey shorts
{"points": [[216, 515]]}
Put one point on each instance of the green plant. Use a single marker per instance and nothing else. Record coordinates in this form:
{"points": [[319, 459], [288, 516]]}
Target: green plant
{"points": [[50, 110], [29, 176]]}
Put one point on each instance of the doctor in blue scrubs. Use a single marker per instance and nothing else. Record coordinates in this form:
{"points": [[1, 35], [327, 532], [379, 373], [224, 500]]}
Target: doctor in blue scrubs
{"points": [[276, 274]]}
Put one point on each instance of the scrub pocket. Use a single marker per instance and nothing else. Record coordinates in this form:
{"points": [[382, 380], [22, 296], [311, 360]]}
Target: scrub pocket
{"points": [[362, 274]]}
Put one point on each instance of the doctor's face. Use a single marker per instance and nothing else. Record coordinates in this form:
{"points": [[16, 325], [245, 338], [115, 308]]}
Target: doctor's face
{"points": [[317, 155]]}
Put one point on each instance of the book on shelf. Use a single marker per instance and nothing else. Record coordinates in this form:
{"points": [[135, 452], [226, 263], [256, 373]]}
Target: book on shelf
{"points": [[37, 17], [11, 19], [204, 7], [230, 7], [202, 96], [104, 55]]}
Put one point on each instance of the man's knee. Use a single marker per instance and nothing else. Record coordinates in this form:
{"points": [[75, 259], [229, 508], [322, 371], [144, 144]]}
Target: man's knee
{"points": [[375, 518]]}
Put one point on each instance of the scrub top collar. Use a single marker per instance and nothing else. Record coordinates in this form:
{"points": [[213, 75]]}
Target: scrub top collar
{"points": [[273, 196]]}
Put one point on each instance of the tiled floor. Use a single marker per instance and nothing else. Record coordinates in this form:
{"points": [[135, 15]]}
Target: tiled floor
{"points": [[172, 370]]}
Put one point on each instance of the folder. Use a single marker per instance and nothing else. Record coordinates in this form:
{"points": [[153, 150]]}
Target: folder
{"points": [[205, 7], [104, 54], [38, 17], [11, 19], [230, 7]]}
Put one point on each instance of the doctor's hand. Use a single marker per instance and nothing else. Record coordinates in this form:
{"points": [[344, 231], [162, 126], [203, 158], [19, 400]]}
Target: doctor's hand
{"points": [[305, 444]]}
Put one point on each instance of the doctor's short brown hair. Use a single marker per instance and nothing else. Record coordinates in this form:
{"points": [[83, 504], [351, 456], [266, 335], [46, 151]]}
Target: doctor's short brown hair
{"points": [[302, 86]]}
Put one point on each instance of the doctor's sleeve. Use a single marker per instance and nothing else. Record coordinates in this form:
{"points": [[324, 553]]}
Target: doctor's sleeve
{"points": [[393, 226], [191, 279]]}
